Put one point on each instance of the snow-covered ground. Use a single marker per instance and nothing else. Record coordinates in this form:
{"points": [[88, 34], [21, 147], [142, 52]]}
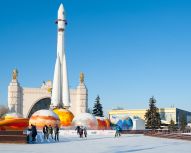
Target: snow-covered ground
{"points": [[187, 133], [103, 144]]}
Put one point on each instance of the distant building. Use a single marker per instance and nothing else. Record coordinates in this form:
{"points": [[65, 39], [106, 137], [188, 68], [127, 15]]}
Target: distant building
{"points": [[166, 114]]}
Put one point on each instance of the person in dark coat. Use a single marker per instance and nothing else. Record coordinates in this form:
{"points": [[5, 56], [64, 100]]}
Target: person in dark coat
{"points": [[78, 129], [45, 131], [56, 133], [29, 134], [81, 132], [34, 132], [50, 131]]}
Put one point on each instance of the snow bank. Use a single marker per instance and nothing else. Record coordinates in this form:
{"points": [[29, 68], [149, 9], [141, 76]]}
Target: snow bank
{"points": [[90, 132]]}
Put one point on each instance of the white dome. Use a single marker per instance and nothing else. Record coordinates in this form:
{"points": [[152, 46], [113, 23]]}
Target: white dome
{"points": [[45, 112], [44, 117], [85, 119]]}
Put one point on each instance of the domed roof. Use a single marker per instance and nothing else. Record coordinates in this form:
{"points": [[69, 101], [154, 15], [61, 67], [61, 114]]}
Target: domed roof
{"points": [[44, 117], [125, 124], [103, 123], [12, 115], [13, 121], [85, 119], [44, 112], [65, 116]]}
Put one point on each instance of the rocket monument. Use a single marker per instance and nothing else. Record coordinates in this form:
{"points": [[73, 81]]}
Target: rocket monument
{"points": [[60, 90]]}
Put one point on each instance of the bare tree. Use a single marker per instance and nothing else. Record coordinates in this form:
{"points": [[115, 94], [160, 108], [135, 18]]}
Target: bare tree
{"points": [[3, 110]]}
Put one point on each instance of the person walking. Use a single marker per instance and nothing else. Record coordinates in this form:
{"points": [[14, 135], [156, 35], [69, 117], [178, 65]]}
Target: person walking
{"points": [[85, 132], [118, 131], [78, 129], [29, 134], [34, 132], [81, 132], [50, 131], [45, 131], [56, 133]]}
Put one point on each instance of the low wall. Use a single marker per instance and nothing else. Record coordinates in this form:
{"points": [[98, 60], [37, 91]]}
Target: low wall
{"points": [[90, 132], [102, 132], [170, 135], [133, 132]]}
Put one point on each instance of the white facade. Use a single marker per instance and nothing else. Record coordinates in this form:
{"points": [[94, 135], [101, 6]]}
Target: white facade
{"points": [[22, 100]]}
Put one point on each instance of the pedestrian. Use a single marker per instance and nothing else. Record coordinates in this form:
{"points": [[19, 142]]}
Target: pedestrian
{"points": [[34, 132], [85, 132], [118, 131], [29, 134], [56, 133], [78, 129], [45, 131], [81, 132], [50, 131]]}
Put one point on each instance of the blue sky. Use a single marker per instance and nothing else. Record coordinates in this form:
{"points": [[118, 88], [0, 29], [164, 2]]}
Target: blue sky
{"points": [[129, 50]]}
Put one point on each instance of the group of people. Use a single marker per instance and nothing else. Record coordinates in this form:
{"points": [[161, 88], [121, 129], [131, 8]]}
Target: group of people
{"points": [[48, 131], [81, 131]]}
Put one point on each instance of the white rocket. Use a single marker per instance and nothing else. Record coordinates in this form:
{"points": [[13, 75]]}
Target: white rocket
{"points": [[60, 90]]}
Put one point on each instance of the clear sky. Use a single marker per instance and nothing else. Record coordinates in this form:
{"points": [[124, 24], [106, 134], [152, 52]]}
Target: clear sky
{"points": [[129, 50]]}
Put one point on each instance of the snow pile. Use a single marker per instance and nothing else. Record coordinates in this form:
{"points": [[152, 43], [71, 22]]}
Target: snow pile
{"points": [[12, 116], [186, 133], [85, 119]]}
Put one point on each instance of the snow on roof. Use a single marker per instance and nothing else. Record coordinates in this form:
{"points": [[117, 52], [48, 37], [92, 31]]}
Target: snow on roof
{"points": [[12, 115], [44, 112]]}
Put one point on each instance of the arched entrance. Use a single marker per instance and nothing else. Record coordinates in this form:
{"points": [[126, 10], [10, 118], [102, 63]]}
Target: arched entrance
{"points": [[41, 104]]}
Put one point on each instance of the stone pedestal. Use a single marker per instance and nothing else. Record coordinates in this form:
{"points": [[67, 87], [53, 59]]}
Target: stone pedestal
{"points": [[15, 97], [81, 99]]}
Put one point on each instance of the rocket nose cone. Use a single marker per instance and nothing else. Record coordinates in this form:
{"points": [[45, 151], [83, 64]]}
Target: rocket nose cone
{"points": [[61, 11], [61, 8]]}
